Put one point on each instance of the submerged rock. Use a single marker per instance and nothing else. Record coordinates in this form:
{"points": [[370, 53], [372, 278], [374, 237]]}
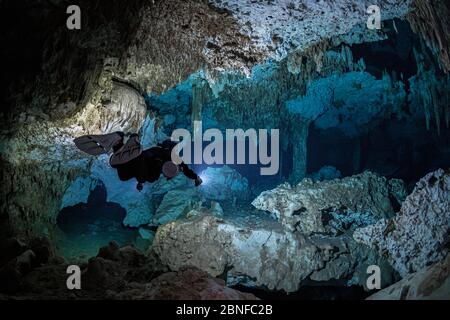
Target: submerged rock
{"points": [[313, 242], [269, 255], [175, 204], [117, 273], [186, 284], [432, 283], [419, 234], [223, 183], [309, 206]]}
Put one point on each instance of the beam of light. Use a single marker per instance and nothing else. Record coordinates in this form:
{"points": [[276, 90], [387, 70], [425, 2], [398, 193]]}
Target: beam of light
{"points": [[204, 178]]}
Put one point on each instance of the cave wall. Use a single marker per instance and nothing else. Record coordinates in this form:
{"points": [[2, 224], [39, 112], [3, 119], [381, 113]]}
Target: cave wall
{"points": [[92, 81]]}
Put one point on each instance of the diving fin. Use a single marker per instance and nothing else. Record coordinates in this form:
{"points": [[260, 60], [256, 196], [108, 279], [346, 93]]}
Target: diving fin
{"points": [[98, 144], [131, 150]]}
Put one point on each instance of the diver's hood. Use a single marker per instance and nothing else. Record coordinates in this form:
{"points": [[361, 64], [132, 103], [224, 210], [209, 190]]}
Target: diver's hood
{"points": [[98, 144], [131, 150], [170, 169]]}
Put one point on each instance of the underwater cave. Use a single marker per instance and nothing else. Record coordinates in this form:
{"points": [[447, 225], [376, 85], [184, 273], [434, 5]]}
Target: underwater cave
{"points": [[354, 122], [86, 227]]}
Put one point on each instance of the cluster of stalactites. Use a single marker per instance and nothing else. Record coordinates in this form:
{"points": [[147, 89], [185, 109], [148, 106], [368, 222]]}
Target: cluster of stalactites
{"points": [[431, 20], [432, 92], [320, 60]]}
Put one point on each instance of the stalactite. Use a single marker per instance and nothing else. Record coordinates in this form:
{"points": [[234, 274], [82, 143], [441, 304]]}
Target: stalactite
{"points": [[201, 94], [431, 20], [431, 92]]}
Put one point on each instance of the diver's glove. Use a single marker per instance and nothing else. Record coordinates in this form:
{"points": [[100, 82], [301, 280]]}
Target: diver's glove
{"points": [[198, 181]]}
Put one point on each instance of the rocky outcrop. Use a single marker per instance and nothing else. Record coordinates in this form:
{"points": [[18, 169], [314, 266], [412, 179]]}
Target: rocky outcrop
{"points": [[186, 284], [281, 25], [316, 247], [19, 259], [115, 273], [432, 283], [266, 255], [308, 206], [30, 196], [419, 234]]}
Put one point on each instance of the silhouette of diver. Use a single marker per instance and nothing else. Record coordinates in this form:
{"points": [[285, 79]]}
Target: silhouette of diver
{"points": [[131, 161]]}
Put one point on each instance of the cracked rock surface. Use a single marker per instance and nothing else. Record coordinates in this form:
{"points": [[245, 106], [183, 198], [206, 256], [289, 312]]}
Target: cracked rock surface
{"points": [[275, 255], [419, 234], [308, 206], [432, 283]]}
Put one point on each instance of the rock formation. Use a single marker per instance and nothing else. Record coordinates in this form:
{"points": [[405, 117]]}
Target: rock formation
{"points": [[264, 253], [115, 273], [419, 234], [431, 283], [308, 207]]}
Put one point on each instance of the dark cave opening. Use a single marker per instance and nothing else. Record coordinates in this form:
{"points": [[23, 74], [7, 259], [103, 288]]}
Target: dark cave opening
{"points": [[394, 148], [86, 227], [394, 55]]}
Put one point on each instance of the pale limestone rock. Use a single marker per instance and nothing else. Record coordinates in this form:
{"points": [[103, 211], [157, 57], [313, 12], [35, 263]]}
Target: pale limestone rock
{"points": [[418, 234], [216, 208], [280, 26], [305, 207], [268, 255], [124, 110], [432, 283]]}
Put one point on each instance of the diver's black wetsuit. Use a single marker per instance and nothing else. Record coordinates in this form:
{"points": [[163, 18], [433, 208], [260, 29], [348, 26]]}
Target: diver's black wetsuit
{"points": [[147, 167]]}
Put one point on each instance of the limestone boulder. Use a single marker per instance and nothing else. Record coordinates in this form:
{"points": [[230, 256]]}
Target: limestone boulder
{"points": [[267, 256], [419, 234], [309, 206]]}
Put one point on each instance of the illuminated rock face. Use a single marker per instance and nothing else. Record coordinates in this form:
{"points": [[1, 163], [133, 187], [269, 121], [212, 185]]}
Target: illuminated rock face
{"points": [[308, 206], [282, 25], [263, 256], [416, 237], [313, 242]]}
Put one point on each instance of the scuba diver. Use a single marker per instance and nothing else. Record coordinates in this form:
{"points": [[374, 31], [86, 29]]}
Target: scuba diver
{"points": [[131, 161]]}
